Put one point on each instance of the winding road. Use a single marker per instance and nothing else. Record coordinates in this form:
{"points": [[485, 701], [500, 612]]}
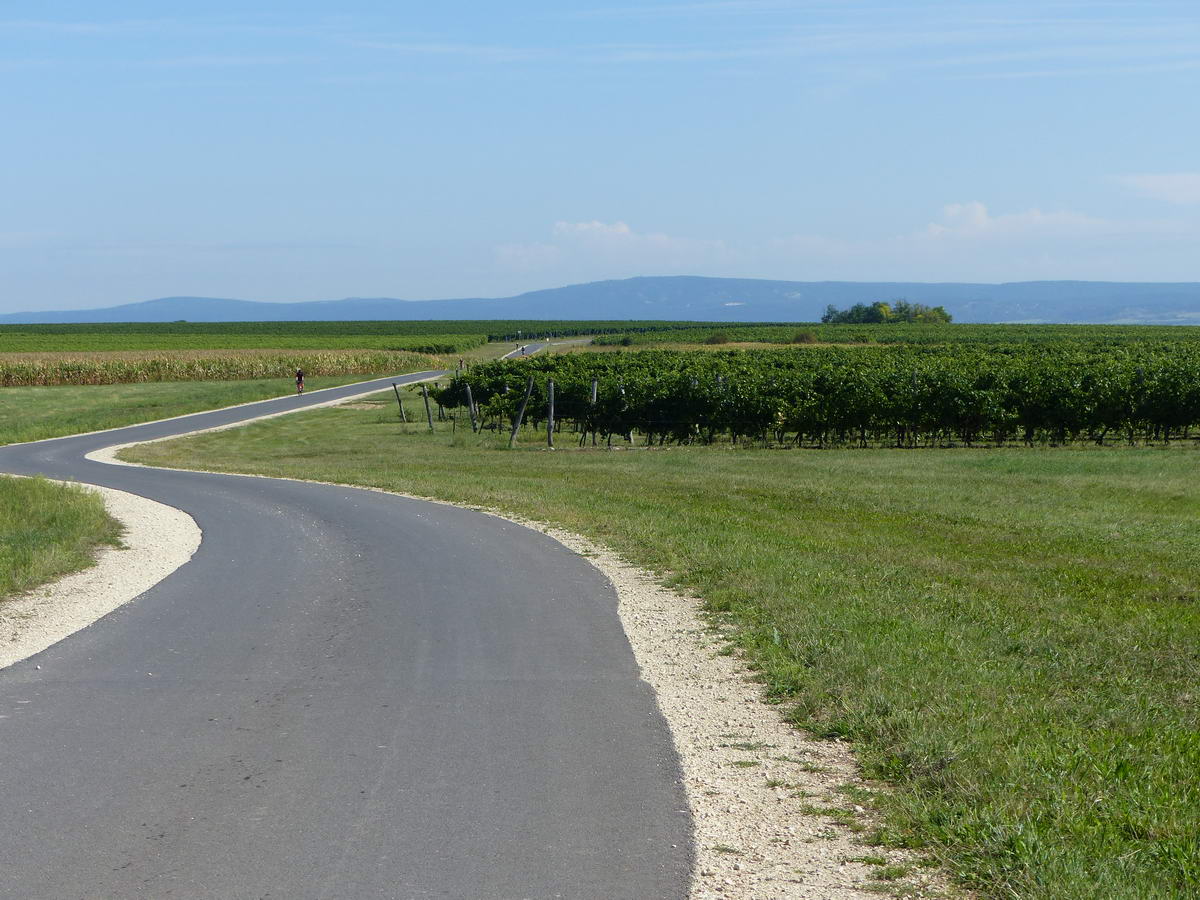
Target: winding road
{"points": [[343, 694]]}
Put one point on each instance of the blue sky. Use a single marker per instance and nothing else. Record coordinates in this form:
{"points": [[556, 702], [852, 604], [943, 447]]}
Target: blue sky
{"points": [[278, 151]]}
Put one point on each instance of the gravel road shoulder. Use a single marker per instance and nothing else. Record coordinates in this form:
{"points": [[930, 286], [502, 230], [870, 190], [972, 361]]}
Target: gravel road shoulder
{"points": [[158, 539], [774, 811]]}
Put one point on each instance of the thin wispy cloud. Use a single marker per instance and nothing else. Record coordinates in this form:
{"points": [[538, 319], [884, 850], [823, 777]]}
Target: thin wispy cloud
{"points": [[965, 236], [19, 64], [202, 61], [119, 28], [1178, 188], [1143, 68], [714, 8], [326, 29], [1089, 53], [974, 221], [953, 41], [944, 40], [484, 52], [21, 240], [28, 26], [615, 245]]}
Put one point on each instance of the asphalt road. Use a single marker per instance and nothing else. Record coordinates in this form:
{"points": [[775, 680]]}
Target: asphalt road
{"points": [[344, 694]]}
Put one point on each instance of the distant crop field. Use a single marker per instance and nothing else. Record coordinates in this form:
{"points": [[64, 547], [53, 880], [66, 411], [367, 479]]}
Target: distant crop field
{"points": [[802, 333], [48, 369], [133, 352], [97, 342], [448, 336], [109, 356]]}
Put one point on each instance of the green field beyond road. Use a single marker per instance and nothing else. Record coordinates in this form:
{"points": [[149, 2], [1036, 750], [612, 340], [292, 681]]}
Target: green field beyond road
{"points": [[35, 413], [1010, 637], [48, 530]]}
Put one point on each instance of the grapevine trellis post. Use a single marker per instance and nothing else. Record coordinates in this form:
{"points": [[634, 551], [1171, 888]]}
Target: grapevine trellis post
{"points": [[550, 415], [471, 409], [521, 412], [592, 413], [400, 403], [428, 413]]}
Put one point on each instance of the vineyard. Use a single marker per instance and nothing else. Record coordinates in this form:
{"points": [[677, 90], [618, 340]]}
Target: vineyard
{"points": [[902, 396], [794, 333], [21, 370]]}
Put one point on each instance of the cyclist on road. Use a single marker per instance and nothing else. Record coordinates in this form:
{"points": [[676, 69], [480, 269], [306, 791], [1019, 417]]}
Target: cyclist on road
{"points": [[299, 381]]}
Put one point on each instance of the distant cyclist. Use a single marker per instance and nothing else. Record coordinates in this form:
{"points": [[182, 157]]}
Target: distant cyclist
{"points": [[299, 381]]}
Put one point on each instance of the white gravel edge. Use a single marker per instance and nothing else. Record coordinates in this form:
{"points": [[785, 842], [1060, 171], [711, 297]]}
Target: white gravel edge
{"points": [[158, 539], [762, 793], [769, 805]]}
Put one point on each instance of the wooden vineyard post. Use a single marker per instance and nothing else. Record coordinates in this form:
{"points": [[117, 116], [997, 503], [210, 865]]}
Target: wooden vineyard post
{"points": [[625, 408], [550, 416], [521, 412], [400, 403], [591, 414], [471, 409], [428, 414]]}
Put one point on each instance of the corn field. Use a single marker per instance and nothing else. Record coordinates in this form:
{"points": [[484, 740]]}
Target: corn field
{"points": [[47, 369]]}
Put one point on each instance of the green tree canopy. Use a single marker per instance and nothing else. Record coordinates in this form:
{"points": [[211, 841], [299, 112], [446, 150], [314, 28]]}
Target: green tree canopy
{"points": [[886, 313]]}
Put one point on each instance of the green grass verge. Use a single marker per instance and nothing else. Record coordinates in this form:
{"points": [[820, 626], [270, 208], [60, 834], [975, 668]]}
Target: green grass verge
{"points": [[48, 530], [34, 413], [1010, 637]]}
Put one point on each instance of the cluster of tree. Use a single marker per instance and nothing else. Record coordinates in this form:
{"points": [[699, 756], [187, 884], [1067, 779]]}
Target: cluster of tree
{"points": [[880, 313]]}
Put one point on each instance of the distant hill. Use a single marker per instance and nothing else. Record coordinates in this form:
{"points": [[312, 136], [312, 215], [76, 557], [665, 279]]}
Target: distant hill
{"points": [[697, 298]]}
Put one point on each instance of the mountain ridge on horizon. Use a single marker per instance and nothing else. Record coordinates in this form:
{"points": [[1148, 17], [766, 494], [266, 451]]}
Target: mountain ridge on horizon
{"points": [[694, 298]]}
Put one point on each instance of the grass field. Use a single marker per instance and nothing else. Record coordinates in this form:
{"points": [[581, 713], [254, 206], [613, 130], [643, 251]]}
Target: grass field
{"points": [[48, 530], [1011, 638], [30, 413], [903, 333], [34, 413]]}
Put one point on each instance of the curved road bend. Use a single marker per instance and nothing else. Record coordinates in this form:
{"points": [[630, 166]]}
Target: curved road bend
{"points": [[343, 694]]}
